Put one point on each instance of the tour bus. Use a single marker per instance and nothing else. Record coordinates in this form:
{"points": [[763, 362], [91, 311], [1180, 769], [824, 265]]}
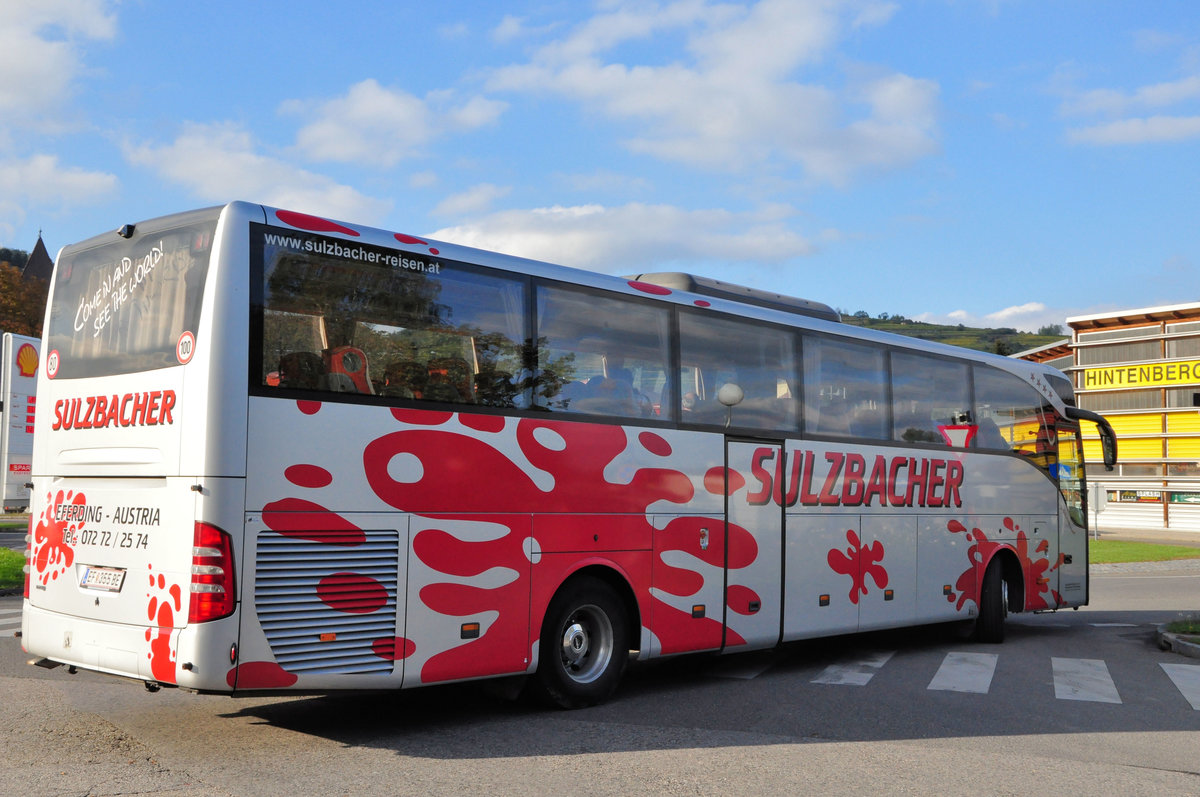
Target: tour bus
{"points": [[280, 452]]}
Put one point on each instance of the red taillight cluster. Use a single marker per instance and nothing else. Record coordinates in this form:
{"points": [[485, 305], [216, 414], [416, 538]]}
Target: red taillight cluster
{"points": [[28, 556], [213, 595]]}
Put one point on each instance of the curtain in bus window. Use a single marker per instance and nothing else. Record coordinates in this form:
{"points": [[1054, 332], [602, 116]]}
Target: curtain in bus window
{"points": [[845, 389], [928, 394], [1012, 416], [760, 360], [600, 355], [355, 322]]}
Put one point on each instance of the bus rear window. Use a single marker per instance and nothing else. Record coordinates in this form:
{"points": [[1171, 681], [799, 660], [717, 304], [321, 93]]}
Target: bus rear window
{"points": [[128, 305]]}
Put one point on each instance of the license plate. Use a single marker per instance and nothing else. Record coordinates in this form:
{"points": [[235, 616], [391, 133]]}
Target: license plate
{"points": [[105, 579]]}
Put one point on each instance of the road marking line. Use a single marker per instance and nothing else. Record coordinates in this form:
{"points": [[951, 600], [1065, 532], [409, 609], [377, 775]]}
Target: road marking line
{"points": [[965, 672], [854, 673], [1186, 678], [1083, 679], [9, 611]]}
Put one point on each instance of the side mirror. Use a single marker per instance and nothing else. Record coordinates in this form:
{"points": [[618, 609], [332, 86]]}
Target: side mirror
{"points": [[730, 394], [1108, 438]]}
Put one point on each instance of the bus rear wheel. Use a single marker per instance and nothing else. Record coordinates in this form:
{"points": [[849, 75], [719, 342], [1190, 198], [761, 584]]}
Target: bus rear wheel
{"points": [[584, 645], [993, 605]]}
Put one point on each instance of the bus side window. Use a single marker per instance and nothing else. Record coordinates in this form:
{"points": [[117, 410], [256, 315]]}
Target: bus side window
{"points": [[928, 394], [761, 360], [1012, 417], [600, 354], [845, 389]]}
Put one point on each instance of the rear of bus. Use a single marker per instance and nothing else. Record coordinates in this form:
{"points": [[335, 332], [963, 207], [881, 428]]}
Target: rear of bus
{"points": [[131, 568]]}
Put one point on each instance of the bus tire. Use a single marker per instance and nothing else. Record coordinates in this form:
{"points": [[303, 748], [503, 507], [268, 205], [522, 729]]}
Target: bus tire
{"points": [[584, 644], [993, 605]]}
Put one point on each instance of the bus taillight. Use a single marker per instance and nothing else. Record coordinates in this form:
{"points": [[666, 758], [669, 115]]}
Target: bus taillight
{"points": [[213, 594]]}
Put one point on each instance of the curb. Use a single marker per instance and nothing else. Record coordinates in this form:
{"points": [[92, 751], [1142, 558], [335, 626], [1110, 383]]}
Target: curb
{"points": [[1177, 643]]}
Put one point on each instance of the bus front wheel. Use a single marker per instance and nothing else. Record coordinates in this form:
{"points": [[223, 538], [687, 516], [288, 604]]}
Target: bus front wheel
{"points": [[993, 604], [584, 644]]}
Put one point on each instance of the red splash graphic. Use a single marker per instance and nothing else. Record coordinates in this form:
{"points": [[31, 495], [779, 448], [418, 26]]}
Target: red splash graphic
{"points": [[655, 444], [578, 487], [353, 593], [739, 599], [312, 476], [51, 553], [259, 675], [309, 407], [646, 287], [163, 602], [295, 517], [410, 240], [702, 303], [677, 631], [483, 423], [858, 562], [1037, 588], [303, 221], [393, 648], [504, 645], [716, 479], [478, 529]]}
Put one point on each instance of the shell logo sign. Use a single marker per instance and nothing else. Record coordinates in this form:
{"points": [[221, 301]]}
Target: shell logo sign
{"points": [[27, 360]]}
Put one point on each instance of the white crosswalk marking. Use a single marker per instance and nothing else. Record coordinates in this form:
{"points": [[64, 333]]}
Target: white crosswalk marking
{"points": [[855, 673], [1186, 678], [1083, 679], [965, 672]]}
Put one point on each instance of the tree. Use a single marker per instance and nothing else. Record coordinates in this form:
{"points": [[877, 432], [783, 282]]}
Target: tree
{"points": [[14, 257], [1051, 329], [22, 302]]}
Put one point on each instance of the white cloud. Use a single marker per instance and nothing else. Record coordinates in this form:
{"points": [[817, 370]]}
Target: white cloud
{"points": [[41, 181], [1028, 317], [474, 200], [738, 103], [374, 125], [633, 238], [1115, 102], [1155, 129], [219, 162], [40, 42]]}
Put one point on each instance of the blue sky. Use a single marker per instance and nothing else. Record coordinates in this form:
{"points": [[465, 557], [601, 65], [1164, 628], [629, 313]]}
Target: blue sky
{"points": [[987, 162]]}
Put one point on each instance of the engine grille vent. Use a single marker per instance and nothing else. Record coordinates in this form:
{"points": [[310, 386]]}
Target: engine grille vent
{"points": [[329, 608]]}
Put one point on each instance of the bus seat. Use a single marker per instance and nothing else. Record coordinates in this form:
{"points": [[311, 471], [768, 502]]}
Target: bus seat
{"points": [[352, 363], [404, 379], [340, 383], [450, 379], [302, 369]]}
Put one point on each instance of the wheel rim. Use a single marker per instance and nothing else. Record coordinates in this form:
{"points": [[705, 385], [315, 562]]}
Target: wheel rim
{"points": [[587, 644]]}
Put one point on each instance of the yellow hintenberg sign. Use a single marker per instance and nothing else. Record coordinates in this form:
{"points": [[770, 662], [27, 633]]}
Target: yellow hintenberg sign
{"points": [[1155, 375]]}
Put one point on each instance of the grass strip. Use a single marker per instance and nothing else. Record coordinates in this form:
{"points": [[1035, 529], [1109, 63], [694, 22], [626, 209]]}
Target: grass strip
{"points": [[1113, 551], [11, 574]]}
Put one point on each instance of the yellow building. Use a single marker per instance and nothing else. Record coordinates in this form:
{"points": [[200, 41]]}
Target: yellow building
{"points": [[1141, 370]]}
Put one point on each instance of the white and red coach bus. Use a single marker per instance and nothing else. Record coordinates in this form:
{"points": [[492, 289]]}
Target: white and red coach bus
{"points": [[279, 452]]}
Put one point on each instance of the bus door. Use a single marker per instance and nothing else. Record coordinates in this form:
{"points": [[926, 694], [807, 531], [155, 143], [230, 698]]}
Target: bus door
{"points": [[323, 600], [754, 555], [1073, 522]]}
